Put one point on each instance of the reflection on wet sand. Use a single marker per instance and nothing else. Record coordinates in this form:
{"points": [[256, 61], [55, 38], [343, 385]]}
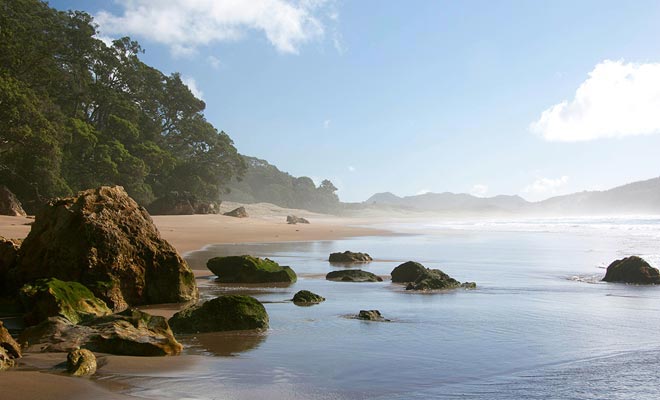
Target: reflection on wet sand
{"points": [[223, 343]]}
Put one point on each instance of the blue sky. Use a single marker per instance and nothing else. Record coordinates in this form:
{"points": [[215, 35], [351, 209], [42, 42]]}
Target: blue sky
{"points": [[414, 96]]}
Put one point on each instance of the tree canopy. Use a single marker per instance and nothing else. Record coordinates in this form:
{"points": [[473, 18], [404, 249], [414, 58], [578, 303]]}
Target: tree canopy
{"points": [[76, 113]]}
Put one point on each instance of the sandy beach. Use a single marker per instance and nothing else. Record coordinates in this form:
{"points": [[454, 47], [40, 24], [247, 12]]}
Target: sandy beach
{"points": [[41, 376]]}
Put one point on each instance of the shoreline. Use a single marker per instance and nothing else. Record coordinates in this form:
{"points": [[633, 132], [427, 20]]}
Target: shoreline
{"points": [[40, 375]]}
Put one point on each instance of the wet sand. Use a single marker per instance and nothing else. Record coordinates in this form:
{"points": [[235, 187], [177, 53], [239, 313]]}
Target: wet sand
{"points": [[41, 376]]}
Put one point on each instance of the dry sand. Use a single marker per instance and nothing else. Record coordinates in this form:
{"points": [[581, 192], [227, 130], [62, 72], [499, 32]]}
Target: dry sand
{"points": [[40, 376]]}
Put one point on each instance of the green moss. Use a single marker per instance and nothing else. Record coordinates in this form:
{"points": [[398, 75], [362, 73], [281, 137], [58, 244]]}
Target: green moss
{"points": [[248, 269], [71, 300]]}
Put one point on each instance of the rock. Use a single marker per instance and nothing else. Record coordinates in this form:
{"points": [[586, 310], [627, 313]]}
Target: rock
{"points": [[353, 275], [306, 297], [81, 362], [419, 277], [237, 212], [371, 315], [292, 219], [349, 257], [9, 204], [51, 297], [8, 255], [104, 240], [224, 313], [8, 344], [182, 203], [248, 269], [632, 270], [131, 333], [207, 207], [6, 361]]}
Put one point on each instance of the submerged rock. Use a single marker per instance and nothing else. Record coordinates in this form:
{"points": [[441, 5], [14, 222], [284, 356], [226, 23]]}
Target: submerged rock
{"points": [[237, 212], [632, 270], [353, 275], [224, 313], [419, 277], [51, 297], [292, 219], [81, 362], [9, 203], [130, 333], [371, 315], [349, 257], [304, 297], [103, 239], [248, 269]]}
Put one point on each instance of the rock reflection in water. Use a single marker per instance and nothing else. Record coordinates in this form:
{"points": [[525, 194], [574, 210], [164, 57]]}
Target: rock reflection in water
{"points": [[224, 344]]}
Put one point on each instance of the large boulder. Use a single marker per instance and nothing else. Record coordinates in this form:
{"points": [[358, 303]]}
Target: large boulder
{"points": [[237, 213], [51, 297], [8, 344], [349, 257], [305, 297], [419, 277], [353, 275], [9, 204], [248, 269], [103, 239], [292, 219], [173, 203], [224, 313], [632, 270], [81, 362], [131, 333]]}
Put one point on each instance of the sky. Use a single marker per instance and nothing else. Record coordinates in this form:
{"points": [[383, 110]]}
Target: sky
{"points": [[534, 98]]}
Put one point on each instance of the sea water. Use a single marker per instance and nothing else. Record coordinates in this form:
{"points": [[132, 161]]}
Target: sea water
{"points": [[540, 325]]}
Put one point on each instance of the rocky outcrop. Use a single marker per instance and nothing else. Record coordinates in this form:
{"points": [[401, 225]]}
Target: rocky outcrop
{"points": [[184, 203], [419, 277], [349, 257], [8, 255], [130, 333], [8, 345], [224, 313], [248, 269], [52, 297], [104, 240], [81, 362], [9, 204], [632, 270], [237, 213], [371, 315], [292, 219], [305, 297], [353, 275]]}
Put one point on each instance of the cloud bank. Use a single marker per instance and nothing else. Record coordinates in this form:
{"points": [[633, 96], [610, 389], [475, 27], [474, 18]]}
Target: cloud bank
{"points": [[618, 99], [184, 25]]}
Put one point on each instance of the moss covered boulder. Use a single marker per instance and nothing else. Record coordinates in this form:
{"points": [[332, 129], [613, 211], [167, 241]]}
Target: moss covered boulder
{"points": [[81, 362], [305, 297], [103, 239], [224, 313], [248, 269], [349, 257], [632, 270], [51, 297], [419, 277], [353, 275]]}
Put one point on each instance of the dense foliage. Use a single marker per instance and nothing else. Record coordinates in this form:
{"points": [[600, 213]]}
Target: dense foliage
{"points": [[76, 113], [264, 182]]}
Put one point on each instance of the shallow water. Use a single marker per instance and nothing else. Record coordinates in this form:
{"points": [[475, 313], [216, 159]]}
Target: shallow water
{"points": [[540, 325]]}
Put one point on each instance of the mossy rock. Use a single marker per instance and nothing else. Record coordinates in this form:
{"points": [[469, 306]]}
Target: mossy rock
{"points": [[248, 269], [224, 313], [305, 297], [353, 275], [51, 297], [81, 362], [632, 270]]}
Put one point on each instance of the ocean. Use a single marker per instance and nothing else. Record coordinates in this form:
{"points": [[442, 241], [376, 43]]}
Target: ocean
{"points": [[540, 325]]}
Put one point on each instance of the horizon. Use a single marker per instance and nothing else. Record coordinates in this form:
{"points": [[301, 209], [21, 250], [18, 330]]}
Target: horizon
{"points": [[474, 98]]}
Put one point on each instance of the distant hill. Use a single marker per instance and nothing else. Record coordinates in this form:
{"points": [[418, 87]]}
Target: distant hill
{"points": [[641, 197], [265, 183]]}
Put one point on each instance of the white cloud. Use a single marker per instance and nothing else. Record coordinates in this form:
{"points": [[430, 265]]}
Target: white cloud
{"points": [[351, 168], [618, 99], [479, 190], [326, 124], [214, 61], [545, 186], [192, 85], [185, 25]]}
